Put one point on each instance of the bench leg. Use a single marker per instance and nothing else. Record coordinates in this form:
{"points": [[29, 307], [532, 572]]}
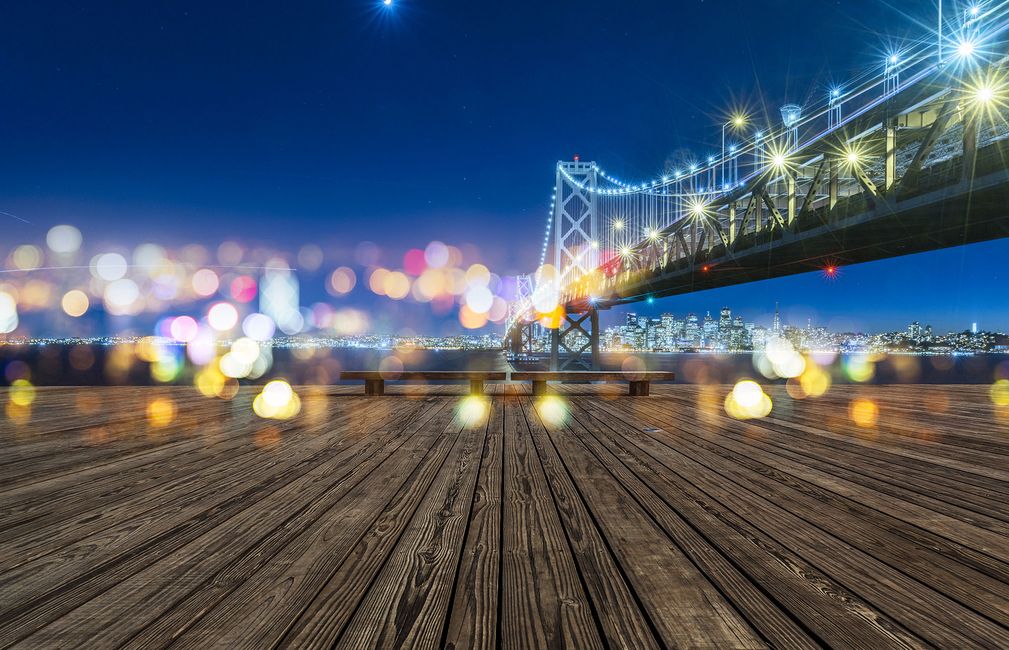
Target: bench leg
{"points": [[539, 387], [374, 387], [638, 388], [476, 386]]}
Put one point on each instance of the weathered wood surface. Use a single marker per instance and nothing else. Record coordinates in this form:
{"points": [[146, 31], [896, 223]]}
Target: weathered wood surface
{"points": [[427, 519]]}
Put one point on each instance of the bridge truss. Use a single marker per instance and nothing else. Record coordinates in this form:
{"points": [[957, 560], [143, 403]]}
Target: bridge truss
{"points": [[912, 159]]}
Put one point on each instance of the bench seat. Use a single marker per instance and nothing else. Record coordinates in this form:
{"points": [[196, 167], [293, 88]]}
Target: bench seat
{"points": [[638, 381], [374, 380]]}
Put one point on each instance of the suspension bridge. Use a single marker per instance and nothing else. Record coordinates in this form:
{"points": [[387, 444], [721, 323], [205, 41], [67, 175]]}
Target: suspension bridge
{"points": [[910, 157]]}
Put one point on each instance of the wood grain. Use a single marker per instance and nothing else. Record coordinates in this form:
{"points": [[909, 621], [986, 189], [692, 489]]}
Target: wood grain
{"points": [[427, 519]]}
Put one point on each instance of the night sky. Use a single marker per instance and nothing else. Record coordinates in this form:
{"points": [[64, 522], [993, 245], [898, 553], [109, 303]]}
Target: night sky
{"points": [[342, 121]]}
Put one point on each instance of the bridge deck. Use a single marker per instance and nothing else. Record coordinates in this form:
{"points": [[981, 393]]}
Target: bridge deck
{"points": [[591, 520]]}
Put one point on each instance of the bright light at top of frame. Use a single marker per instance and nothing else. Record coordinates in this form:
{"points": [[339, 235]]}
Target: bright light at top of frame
{"points": [[387, 3]]}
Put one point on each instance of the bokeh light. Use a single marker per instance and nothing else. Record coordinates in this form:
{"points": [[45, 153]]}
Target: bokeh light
{"points": [[243, 288], [121, 296], [205, 282], [1000, 392], [27, 257], [64, 239], [75, 303], [863, 412], [859, 367], [110, 266], [436, 255], [472, 409], [553, 410], [22, 392], [8, 313], [258, 327], [277, 401], [341, 281], [222, 316], [161, 412], [747, 400], [184, 329]]}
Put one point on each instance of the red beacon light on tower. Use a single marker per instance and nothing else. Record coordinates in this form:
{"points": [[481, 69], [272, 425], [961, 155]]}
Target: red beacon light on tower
{"points": [[577, 157]]}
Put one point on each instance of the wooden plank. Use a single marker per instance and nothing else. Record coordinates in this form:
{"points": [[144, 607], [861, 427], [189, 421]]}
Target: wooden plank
{"points": [[408, 602], [766, 615], [44, 508], [620, 615], [685, 609], [857, 525], [831, 612], [333, 528], [58, 582], [953, 521], [473, 616], [315, 582], [248, 539], [543, 600], [931, 615], [342, 520], [49, 537]]}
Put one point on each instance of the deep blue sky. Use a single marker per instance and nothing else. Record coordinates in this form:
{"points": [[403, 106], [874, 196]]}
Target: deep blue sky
{"points": [[340, 121]]}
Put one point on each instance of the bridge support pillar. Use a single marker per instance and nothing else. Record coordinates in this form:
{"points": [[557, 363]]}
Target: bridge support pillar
{"points": [[732, 222], [969, 148], [790, 184], [520, 339], [832, 183], [574, 345], [890, 155]]}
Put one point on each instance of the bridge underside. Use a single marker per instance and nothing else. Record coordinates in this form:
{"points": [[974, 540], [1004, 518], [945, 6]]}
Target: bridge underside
{"points": [[859, 230]]}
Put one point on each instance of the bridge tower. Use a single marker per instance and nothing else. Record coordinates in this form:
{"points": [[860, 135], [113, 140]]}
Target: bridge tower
{"points": [[575, 342], [576, 224]]}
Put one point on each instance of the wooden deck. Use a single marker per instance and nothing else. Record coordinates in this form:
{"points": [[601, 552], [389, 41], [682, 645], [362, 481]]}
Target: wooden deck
{"points": [[586, 520]]}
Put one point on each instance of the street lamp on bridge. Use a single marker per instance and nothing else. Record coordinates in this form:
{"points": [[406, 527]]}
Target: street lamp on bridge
{"points": [[738, 121]]}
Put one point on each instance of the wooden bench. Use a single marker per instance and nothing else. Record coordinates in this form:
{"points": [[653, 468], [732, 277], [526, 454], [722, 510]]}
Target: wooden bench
{"points": [[637, 381], [374, 381]]}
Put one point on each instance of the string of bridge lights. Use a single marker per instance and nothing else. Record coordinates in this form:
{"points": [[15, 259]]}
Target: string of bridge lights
{"points": [[546, 235], [965, 46], [774, 145]]}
